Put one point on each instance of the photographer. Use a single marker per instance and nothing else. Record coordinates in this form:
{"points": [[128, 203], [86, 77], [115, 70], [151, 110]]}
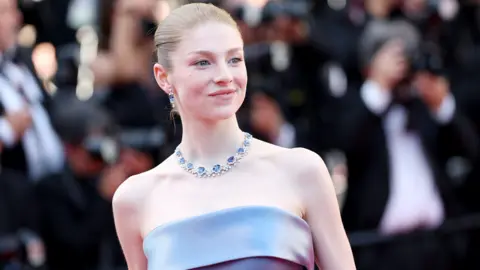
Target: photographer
{"points": [[398, 132], [280, 52], [19, 242], [77, 222], [30, 144], [126, 49], [123, 67]]}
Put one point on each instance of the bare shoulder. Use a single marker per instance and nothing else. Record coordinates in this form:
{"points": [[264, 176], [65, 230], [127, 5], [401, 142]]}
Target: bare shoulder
{"points": [[296, 159], [131, 194], [301, 164], [301, 158], [304, 159], [310, 177], [306, 168]]}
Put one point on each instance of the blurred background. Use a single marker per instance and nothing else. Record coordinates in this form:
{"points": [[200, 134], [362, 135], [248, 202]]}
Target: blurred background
{"points": [[384, 90]]}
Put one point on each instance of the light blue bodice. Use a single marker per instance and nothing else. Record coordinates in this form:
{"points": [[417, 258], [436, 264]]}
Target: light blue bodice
{"points": [[247, 237]]}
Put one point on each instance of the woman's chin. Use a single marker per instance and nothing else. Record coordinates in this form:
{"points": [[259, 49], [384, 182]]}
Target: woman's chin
{"points": [[219, 114]]}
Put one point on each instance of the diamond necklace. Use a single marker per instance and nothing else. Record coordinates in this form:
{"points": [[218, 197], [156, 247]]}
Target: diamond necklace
{"points": [[217, 169]]}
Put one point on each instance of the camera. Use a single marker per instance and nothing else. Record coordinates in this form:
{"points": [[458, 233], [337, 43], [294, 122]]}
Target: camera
{"points": [[423, 55], [428, 59], [148, 27]]}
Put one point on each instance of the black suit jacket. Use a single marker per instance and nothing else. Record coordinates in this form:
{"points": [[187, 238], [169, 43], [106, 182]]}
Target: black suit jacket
{"points": [[362, 137], [76, 221], [14, 158], [18, 205], [465, 82]]}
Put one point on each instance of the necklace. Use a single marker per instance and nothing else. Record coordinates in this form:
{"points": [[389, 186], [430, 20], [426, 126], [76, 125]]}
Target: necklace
{"points": [[217, 169]]}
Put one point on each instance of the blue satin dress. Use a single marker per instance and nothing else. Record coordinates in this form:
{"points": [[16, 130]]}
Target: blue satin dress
{"points": [[240, 238]]}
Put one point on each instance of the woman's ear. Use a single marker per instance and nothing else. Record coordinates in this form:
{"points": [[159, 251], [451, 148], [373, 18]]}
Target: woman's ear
{"points": [[161, 77]]}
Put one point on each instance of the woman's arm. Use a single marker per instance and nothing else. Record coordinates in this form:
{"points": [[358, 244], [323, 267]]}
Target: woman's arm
{"points": [[332, 248], [127, 223]]}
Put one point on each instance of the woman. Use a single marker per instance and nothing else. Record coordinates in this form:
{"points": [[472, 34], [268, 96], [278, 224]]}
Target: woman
{"points": [[203, 209]]}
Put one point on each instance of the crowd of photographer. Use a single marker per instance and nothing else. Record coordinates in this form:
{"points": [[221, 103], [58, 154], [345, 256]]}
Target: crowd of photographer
{"points": [[384, 90]]}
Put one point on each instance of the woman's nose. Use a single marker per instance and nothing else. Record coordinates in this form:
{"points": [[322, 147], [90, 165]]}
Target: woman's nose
{"points": [[224, 75]]}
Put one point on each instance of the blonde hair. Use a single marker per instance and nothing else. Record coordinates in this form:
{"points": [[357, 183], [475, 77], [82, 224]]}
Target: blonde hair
{"points": [[170, 31]]}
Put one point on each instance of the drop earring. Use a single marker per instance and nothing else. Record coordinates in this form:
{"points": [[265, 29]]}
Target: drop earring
{"points": [[171, 97]]}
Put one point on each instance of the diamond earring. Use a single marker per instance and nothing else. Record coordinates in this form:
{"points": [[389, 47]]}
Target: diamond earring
{"points": [[171, 97]]}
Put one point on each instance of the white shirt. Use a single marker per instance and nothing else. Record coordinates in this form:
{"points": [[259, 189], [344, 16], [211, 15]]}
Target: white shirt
{"points": [[43, 149], [414, 200], [286, 136]]}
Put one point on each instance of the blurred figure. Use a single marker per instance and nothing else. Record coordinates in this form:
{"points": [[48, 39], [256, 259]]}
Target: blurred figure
{"points": [[268, 121], [20, 245], [77, 221], [19, 223], [31, 146], [398, 132], [123, 67], [464, 43], [126, 50], [280, 49]]}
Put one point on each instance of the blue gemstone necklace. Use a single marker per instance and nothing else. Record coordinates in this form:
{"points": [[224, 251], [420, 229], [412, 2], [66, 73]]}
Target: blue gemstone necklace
{"points": [[217, 169]]}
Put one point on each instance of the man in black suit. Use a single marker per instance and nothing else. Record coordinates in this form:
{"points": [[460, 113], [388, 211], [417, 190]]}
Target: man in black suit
{"points": [[76, 204], [19, 224], [398, 133], [30, 145]]}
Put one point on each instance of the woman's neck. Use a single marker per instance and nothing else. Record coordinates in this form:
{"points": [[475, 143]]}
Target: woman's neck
{"points": [[208, 143]]}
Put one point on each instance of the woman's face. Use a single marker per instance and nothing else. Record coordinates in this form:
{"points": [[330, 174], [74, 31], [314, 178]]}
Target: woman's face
{"points": [[208, 73]]}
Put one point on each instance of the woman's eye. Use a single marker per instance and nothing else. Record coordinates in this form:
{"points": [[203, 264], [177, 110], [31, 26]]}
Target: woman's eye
{"points": [[235, 60], [202, 63]]}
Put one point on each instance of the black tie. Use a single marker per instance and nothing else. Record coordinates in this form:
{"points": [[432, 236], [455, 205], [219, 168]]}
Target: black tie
{"points": [[406, 102]]}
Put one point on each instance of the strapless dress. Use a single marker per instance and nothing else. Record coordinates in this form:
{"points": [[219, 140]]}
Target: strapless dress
{"points": [[240, 238]]}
